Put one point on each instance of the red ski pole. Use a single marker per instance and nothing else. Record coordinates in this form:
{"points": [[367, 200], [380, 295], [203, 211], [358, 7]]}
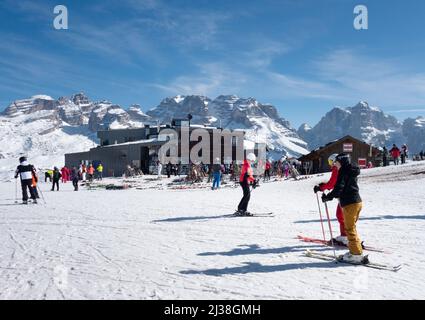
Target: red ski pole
{"points": [[321, 219]]}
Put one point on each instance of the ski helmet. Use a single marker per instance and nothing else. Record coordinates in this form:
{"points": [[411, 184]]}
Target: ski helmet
{"points": [[343, 159], [22, 159], [332, 158], [251, 157]]}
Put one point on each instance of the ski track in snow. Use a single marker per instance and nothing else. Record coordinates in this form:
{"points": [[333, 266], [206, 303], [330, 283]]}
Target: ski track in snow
{"points": [[163, 244]]}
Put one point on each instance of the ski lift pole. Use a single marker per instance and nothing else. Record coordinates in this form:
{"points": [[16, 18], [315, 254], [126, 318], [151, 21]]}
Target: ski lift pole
{"points": [[330, 228], [321, 219]]}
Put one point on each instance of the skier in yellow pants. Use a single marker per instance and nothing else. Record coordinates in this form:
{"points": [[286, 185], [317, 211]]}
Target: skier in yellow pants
{"points": [[347, 191], [351, 215]]}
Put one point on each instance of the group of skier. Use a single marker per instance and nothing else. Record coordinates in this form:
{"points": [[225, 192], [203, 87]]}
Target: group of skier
{"points": [[29, 178], [395, 154], [342, 185]]}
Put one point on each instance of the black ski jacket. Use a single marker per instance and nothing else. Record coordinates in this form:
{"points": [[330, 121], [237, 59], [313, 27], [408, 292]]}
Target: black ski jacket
{"points": [[346, 187], [25, 171]]}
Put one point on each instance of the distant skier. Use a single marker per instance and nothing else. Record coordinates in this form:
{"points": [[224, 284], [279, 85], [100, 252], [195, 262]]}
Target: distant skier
{"points": [[26, 173], [385, 156], [267, 168], [168, 169], [246, 179], [65, 174], [75, 176], [48, 175], [404, 154], [342, 238], [90, 172], [83, 172], [99, 171], [346, 190], [56, 178], [216, 172], [34, 183], [395, 153]]}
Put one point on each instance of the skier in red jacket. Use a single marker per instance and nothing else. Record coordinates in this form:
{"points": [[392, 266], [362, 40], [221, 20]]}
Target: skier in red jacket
{"points": [[267, 168], [246, 179], [395, 153], [329, 186]]}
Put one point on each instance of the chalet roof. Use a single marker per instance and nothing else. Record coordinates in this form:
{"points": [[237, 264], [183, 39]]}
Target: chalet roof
{"points": [[332, 143]]}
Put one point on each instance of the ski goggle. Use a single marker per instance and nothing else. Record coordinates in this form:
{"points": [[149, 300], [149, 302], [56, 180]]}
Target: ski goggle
{"points": [[330, 162]]}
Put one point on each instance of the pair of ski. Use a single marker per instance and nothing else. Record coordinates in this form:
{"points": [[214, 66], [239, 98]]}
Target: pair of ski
{"points": [[335, 244], [258, 214], [365, 262]]}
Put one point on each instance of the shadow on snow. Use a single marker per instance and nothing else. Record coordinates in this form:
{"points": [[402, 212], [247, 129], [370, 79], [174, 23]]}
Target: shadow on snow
{"points": [[256, 249], [255, 267], [199, 218]]}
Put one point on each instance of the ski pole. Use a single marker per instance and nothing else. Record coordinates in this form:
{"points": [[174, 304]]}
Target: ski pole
{"points": [[16, 190], [330, 228], [42, 195], [321, 219]]}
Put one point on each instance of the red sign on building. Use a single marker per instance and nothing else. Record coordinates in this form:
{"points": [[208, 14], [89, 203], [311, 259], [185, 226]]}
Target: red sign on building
{"points": [[362, 163]]}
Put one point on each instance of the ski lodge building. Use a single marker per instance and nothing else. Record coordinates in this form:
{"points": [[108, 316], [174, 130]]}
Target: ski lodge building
{"points": [[361, 154], [139, 147]]}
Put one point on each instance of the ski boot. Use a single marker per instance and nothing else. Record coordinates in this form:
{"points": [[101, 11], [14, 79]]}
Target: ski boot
{"points": [[25, 202], [339, 241], [352, 258], [239, 213]]}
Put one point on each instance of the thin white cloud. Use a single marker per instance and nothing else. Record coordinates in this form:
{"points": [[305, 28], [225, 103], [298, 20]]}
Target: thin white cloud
{"points": [[212, 79], [382, 81]]}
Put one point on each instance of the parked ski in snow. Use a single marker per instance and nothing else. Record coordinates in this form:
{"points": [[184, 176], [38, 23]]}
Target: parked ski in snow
{"points": [[337, 244]]}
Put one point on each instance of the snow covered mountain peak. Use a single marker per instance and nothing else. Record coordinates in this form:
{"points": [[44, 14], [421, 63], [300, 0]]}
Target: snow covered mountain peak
{"points": [[45, 129], [362, 121], [261, 122], [31, 105]]}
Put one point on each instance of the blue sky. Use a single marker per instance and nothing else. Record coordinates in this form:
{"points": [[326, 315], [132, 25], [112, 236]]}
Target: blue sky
{"points": [[304, 57]]}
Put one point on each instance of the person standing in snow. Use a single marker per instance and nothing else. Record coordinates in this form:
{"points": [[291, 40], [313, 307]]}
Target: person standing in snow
{"points": [[267, 168], [34, 183], [395, 153], [168, 169], [342, 238], [26, 173], [385, 156], [83, 172], [74, 176], [99, 170], [64, 172], [90, 172], [404, 154], [56, 178], [346, 190], [246, 179], [216, 173]]}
